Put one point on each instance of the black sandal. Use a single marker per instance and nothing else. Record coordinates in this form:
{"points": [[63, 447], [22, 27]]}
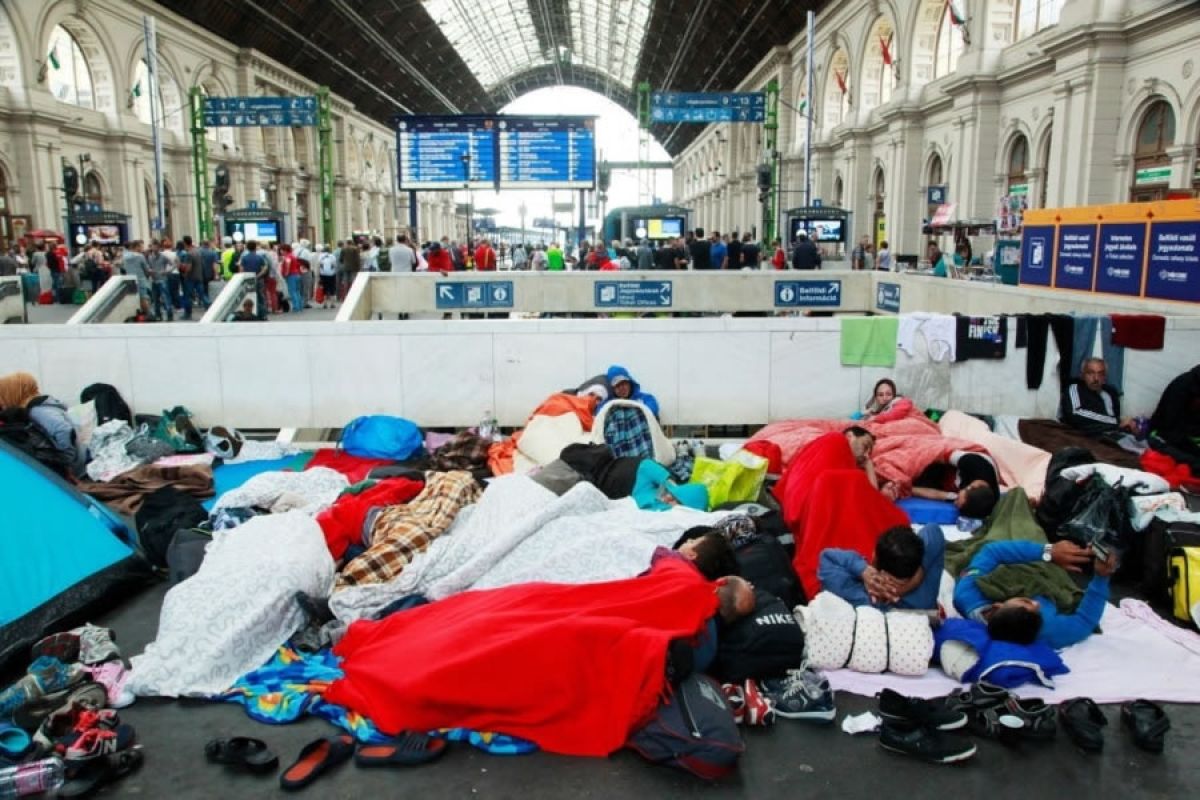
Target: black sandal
{"points": [[408, 749], [242, 751], [1083, 721], [101, 771], [1038, 718], [1148, 722]]}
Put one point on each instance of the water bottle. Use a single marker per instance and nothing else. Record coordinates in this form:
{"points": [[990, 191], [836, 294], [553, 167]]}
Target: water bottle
{"points": [[486, 427], [33, 778], [969, 524]]}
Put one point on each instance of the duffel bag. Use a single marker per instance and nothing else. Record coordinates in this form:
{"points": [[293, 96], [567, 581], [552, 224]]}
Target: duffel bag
{"points": [[693, 729], [1185, 583], [1157, 542]]}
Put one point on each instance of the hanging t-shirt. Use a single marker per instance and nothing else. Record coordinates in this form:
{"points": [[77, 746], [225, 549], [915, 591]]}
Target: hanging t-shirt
{"points": [[981, 337]]}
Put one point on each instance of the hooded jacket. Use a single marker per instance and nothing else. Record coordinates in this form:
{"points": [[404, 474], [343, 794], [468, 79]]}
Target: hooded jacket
{"points": [[617, 373], [50, 415], [1177, 417]]}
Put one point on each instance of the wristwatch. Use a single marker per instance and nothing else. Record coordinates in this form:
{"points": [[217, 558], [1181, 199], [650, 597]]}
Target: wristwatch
{"points": [[1046, 553]]}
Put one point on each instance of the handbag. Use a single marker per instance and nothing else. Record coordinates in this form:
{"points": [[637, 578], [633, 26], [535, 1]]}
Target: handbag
{"points": [[176, 429], [1100, 518]]}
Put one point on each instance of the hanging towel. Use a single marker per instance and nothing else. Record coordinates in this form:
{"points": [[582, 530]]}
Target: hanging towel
{"points": [[1139, 331], [869, 341]]}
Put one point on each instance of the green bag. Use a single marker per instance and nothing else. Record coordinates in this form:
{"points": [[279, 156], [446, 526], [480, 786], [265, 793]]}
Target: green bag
{"points": [[738, 480], [176, 429], [79, 298]]}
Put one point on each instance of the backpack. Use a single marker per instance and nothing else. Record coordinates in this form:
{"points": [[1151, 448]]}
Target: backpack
{"points": [[109, 403], [765, 563], [164, 512], [765, 644], [693, 729], [18, 430], [381, 436]]}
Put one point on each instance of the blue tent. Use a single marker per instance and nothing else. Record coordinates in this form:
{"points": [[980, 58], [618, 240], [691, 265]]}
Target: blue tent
{"points": [[61, 554]]}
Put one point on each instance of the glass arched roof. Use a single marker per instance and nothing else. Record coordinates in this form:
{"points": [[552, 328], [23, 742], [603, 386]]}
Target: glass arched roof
{"points": [[500, 39]]}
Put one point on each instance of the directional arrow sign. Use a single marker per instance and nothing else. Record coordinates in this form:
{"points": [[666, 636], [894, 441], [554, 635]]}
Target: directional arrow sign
{"points": [[448, 295], [808, 294]]}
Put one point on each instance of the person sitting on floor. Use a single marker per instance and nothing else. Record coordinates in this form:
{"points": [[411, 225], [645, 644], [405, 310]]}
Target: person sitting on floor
{"points": [[976, 486], [1092, 406], [886, 403], [906, 571], [247, 313], [21, 396], [1176, 418], [624, 387], [1024, 620]]}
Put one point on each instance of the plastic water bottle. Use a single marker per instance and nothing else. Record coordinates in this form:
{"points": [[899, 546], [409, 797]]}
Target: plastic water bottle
{"points": [[488, 426], [34, 778]]}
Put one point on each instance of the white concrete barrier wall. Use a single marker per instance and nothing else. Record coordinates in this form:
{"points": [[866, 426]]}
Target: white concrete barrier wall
{"points": [[703, 370], [116, 301]]}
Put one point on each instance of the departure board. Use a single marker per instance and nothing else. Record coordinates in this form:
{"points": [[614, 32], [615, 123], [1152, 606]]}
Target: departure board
{"points": [[432, 151], [547, 152]]}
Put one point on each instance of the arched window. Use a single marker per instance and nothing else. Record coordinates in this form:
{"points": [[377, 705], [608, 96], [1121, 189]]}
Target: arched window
{"points": [[879, 69], [936, 171], [949, 46], [69, 74], [838, 192], [1034, 15], [170, 103], [92, 191], [1152, 165], [1018, 165], [837, 89]]}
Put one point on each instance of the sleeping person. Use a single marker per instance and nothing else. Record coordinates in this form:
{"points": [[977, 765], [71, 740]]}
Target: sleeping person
{"points": [[967, 479], [905, 572]]}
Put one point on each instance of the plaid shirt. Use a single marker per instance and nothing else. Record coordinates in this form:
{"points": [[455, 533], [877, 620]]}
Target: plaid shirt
{"points": [[627, 432], [466, 451], [400, 532]]}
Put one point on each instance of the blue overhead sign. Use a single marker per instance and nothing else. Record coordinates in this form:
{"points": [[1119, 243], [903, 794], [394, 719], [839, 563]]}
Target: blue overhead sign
{"points": [[887, 297], [447, 152], [1037, 248], [708, 107], [1075, 257], [633, 294], [258, 112], [547, 152], [813, 294], [477, 294], [1122, 253]]}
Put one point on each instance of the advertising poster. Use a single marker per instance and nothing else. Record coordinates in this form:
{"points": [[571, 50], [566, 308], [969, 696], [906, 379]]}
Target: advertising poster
{"points": [[1174, 265], [1037, 245], [1075, 257], [1122, 253]]}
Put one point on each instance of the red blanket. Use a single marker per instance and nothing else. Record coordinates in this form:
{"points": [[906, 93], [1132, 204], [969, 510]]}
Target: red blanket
{"points": [[355, 468], [573, 668], [827, 501], [903, 447], [342, 523]]}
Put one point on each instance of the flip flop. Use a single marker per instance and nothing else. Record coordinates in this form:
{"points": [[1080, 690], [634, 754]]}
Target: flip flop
{"points": [[408, 749], [1148, 722], [1083, 721], [316, 758], [242, 751], [100, 771]]}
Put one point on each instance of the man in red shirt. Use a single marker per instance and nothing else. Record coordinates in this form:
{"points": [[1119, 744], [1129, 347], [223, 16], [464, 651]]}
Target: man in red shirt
{"points": [[485, 257]]}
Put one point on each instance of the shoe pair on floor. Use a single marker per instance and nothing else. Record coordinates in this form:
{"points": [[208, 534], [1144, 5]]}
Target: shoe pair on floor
{"points": [[1083, 721], [802, 694], [322, 755]]}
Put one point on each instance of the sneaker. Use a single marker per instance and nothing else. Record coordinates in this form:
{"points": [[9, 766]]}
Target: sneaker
{"points": [[758, 709], [737, 701], [802, 694], [925, 743], [896, 708], [96, 644], [63, 646], [98, 742]]}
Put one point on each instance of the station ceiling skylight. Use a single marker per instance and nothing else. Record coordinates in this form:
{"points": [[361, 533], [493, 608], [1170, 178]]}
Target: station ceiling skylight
{"points": [[500, 39]]}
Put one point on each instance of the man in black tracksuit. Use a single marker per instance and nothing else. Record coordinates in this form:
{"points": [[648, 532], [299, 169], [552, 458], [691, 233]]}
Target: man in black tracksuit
{"points": [[1092, 406]]}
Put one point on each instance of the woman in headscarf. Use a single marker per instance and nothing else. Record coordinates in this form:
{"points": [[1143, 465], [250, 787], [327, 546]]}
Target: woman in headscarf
{"points": [[20, 391]]}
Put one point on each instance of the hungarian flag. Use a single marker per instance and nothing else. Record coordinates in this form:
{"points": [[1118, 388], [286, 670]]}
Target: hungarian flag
{"points": [[885, 51], [52, 57], [955, 15], [841, 80]]}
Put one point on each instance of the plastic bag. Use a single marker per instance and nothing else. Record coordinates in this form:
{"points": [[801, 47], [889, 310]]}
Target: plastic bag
{"points": [[1100, 517], [740, 479], [381, 436]]}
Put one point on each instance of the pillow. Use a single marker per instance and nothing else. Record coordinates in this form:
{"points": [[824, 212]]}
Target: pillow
{"points": [[865, 639], [764, 644], [869, 652]]}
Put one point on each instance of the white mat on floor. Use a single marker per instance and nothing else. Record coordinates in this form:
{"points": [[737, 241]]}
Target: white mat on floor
{"points": [[1131, 659]]}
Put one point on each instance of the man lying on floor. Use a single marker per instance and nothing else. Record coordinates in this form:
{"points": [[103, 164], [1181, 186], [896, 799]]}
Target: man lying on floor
{"points": [[905, 572], [572, 668], [1024, 620], [967, 479]]}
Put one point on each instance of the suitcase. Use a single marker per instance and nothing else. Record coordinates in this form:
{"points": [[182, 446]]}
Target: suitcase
{"points": [[1157, 542], [1184, 570]]}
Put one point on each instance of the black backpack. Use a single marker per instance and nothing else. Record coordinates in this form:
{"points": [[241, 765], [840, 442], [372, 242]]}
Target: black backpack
{"points": [[18, 430], [109, 403], [765, 644], [693, 729], [164, 512], [1061, 494], [765, 563]]}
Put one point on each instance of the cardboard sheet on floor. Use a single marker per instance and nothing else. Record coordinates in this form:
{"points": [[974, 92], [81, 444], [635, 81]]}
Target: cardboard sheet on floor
{"points": [[1131, 659]]}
